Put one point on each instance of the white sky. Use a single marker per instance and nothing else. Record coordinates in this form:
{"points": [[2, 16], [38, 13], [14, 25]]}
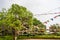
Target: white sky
{"points": [[37, 7]]}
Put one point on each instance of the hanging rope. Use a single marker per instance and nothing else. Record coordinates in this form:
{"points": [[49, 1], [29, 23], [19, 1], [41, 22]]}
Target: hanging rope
{"points": [[50, 14], [51, 19], [47, 14]]}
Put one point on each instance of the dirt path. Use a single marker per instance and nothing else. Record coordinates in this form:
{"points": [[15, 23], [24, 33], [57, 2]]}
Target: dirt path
{"points": [[39, 39]]}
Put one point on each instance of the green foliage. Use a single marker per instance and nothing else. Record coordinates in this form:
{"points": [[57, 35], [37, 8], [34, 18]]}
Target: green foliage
{"points": [[36, 22], [18, 18], [15, 17]]}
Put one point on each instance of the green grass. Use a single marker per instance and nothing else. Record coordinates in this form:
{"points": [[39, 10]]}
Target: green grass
{"points": [[31, 37], [5, 37], [40, 37]]}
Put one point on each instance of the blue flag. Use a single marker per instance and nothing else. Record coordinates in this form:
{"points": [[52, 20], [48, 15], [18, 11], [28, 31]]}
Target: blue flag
{"points": [[52, 19]]}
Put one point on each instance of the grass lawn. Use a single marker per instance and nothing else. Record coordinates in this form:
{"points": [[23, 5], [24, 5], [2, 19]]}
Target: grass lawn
{"points": [[5, 37], [40, 37], [31, 37]]}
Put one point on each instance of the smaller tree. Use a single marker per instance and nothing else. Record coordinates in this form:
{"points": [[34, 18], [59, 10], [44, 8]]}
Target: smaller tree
{"points": [[38, 26], [54, 28]]}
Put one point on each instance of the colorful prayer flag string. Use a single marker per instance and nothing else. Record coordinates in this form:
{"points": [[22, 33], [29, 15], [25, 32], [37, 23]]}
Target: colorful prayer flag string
{"points": [[51, 19]]}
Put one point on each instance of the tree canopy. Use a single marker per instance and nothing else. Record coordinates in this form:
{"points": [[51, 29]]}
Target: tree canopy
{"points": [[18, 18]]}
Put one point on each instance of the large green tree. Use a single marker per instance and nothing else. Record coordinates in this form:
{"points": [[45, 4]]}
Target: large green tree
{"points": [[18, 17]]}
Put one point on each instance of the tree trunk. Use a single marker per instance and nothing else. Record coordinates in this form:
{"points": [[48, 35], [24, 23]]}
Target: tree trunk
{"points": [[14, 33], [14, 37]]}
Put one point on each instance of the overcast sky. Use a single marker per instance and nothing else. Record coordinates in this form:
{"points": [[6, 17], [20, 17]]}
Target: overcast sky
{"points": [[37, 7]]}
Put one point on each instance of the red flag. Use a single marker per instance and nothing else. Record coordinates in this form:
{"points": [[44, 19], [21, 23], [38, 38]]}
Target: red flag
{"points": [[52, 19], [45, 22], [55, 16]]}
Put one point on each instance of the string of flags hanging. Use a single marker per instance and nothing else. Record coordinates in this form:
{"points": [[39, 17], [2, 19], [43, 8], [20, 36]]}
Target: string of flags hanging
{"points": [[50, 14], [51, 19], [46, 14]]}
